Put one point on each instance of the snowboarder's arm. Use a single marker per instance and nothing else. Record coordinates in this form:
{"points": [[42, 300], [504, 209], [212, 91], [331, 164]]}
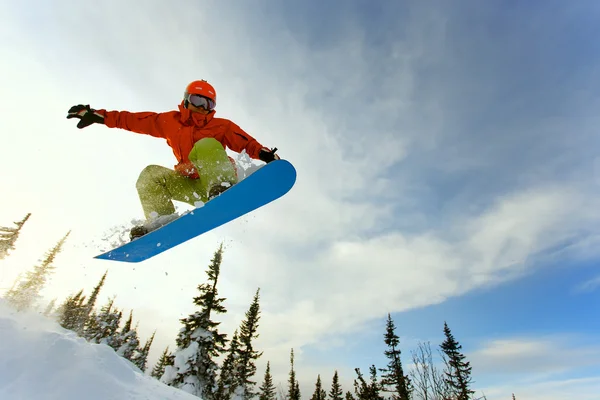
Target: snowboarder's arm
{"points": [[237, 140], [148, 123]]}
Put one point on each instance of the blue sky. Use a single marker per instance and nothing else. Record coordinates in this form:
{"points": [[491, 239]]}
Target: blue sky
{"points": [[447, 171]]}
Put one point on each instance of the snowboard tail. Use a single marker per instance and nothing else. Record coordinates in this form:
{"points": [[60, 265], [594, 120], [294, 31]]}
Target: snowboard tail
{"points": [[265, 185]]}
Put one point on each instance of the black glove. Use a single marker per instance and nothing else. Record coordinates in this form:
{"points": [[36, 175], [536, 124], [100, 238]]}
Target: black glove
{"points": [[267, 155], [86, 114]]}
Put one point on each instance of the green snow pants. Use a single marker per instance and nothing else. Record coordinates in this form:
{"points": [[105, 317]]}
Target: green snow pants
{"points": [[158, 186]]}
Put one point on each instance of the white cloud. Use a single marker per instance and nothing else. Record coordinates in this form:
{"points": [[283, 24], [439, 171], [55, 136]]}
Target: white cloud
{"points": [[543, 356], [538, 367], [360, 277], [589, 286], [561, 389]]}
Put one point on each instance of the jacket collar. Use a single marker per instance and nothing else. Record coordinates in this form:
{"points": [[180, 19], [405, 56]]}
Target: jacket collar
{"points": [[189, 118]]}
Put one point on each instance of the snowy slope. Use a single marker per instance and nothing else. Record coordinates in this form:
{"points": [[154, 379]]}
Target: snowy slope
{"points": [[40, 360]]}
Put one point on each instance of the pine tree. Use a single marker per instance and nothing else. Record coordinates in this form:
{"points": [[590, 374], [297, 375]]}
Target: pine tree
{"points": [[349, 396], [267, 389], [24, 296], [247, 354], [165, 359], [319, 393], [140, 356], [336, 391], [126, 341], [458, 371], [199, 342], [238, 366], [229, 370], [69, 313], [105, 326], [367, 391], [92, 327], [393, 378], [15, 282], [9, 236], [89, 307], [293, 385]]}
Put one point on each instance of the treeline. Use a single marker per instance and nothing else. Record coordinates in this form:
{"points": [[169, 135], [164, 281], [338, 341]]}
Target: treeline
{"points": [[425, 381], [193, 367]]}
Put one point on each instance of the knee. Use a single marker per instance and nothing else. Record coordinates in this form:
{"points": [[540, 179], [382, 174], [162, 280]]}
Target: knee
{"points": [[206, 145], [152, 173]]}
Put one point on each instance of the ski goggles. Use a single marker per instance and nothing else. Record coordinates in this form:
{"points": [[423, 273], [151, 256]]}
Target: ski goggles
{"points": [[200, 101]]}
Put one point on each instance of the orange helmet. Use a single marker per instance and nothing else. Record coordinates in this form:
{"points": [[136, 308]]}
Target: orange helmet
{"points": [[201, 88]]}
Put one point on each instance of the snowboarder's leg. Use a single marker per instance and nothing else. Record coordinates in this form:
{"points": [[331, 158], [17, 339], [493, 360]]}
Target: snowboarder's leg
{"points": [[217, 173], [158, 186]]}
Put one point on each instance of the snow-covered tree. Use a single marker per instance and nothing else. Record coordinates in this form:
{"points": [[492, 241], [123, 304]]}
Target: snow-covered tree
{"points": [[247, 354], [165, 359], [69, 313], [105, 325], [126, 341], [336, 392], [199, 342], [239, 367], [92, 327], [229, 370], [9, 236], [267, 389], [319, 393], [140, 356], [89, 307], [27, 292], [77, 315], [393, 379], [293, 385], [458, 371]]}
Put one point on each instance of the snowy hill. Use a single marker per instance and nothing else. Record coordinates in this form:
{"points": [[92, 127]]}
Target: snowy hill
{"points": [[40, 360]]}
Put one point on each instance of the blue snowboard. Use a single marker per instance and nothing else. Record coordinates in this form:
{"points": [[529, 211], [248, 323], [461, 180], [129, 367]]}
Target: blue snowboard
{"points": [[268, 183]]}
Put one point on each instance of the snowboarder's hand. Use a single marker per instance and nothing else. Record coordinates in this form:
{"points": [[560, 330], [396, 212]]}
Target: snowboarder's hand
{"points": [[267, 155], [86, 114]]}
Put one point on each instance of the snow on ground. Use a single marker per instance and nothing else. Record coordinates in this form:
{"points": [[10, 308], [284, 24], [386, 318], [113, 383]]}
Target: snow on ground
{"points": [[40, 360]]}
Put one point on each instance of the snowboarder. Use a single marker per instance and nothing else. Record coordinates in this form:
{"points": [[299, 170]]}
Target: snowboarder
{"points": [[198, 139]]}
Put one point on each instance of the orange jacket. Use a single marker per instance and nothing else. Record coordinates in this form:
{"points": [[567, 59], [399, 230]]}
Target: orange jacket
{"points": [[182, 129]]}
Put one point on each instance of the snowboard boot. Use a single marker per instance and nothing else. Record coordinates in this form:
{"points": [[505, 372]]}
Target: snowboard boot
{"points": [[137, 232], [155, 222], [217, 189]]}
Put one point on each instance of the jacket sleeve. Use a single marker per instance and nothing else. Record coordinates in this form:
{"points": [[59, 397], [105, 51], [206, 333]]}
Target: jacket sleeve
{"points": [[237, 140], [149, 123]]}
